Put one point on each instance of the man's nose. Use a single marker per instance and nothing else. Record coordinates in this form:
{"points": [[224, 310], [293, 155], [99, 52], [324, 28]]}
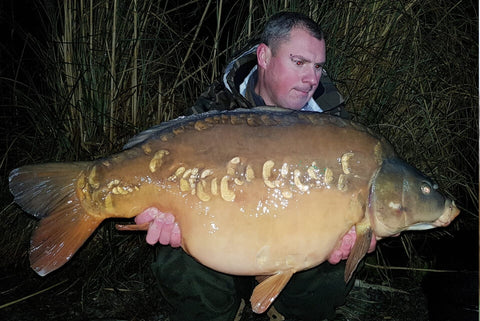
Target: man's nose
{"points": [[311, 77]]}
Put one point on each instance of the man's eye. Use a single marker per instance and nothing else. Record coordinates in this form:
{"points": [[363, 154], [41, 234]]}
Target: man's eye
{"points": [[317, 66], [299, 63]]}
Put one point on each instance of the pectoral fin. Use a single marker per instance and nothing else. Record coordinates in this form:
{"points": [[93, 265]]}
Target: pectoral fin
{"points": [[132, 227], [265, 293], [360, 248]]}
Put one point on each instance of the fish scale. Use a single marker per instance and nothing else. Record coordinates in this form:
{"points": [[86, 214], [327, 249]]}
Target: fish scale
{"points": [[255, 192]]}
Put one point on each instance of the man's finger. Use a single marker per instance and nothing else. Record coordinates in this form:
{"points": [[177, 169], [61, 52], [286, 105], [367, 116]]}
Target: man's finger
{"points": [[335, 257], [146, 216], [153, 233], [165, 234], [373, 244], [176, 237]]}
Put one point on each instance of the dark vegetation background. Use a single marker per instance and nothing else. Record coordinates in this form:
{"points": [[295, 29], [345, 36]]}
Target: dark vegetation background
{"points": [[78, 78]]}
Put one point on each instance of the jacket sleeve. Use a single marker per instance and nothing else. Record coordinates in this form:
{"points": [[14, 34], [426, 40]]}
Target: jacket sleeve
{"points": [[217, 97]]}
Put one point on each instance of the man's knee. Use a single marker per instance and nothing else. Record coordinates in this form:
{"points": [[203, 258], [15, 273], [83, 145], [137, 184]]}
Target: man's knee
{"points": [[314, 294], [195, 291]]}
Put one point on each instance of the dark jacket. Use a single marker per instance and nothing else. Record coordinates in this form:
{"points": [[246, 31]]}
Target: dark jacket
{"points": [[224, 94]]}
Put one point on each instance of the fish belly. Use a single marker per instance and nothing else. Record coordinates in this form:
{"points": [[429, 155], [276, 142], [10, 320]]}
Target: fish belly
{"points": [[252, 200], [261, 240]]}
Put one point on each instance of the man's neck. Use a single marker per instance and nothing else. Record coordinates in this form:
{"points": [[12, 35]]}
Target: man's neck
{"points": [[252, 93]]}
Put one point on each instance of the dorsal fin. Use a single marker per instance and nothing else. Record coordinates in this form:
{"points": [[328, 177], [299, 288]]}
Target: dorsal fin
{"points": [[168, 126], [265, 293]]}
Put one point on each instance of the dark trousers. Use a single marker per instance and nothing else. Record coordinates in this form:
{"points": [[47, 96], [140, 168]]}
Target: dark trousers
{"points": [[200, 293]]}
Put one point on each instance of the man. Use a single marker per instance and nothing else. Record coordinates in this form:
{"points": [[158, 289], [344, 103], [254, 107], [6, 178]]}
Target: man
{"points": [[286, 70]]}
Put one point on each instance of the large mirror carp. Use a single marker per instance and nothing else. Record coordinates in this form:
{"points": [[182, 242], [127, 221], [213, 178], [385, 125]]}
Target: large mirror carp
{"points": [[263, 192]]}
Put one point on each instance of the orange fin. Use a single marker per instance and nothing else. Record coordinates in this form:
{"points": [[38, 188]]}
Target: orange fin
{"points": [[47, 191], [58, 237], [132, 227], [360, 248], [39, 189], [266, 292]]}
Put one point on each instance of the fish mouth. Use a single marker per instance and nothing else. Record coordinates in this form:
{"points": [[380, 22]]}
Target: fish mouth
{"points": [[451, 211]]}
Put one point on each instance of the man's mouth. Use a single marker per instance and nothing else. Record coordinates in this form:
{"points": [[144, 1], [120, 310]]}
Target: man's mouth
{"points": [[304, 91]]}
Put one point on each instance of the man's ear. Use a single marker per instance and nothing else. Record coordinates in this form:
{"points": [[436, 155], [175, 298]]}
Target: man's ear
{"points": [[263, 55]]}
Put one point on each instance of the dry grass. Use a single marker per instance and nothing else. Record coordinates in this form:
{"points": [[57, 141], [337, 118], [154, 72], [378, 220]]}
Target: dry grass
{"points": [[408, 69]]}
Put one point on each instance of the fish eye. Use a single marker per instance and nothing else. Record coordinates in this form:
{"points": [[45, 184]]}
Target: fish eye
{"points": [[426, 188]]}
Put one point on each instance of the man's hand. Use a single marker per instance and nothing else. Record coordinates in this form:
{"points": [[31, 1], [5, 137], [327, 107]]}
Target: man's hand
{"points": [[162, 228], [343, 251]]}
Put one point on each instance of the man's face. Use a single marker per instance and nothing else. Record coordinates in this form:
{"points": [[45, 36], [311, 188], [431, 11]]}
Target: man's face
{"points": [[291, 76]]}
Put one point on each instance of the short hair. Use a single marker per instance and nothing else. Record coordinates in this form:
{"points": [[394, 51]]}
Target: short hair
{"points": [[278, 27]]}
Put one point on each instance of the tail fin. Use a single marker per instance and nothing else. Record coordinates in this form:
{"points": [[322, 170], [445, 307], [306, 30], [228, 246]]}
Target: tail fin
{"points": [[47, 191]]}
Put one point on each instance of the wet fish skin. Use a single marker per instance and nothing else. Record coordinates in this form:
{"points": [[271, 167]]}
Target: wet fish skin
{"points": [[255, 192], [404, 199]]}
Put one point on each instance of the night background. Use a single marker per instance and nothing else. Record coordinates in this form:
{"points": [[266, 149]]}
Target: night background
{"points": [[79, 78]]}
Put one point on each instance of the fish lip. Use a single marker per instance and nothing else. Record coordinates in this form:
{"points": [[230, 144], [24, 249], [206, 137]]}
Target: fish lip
{"points": [[451, 211]]}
